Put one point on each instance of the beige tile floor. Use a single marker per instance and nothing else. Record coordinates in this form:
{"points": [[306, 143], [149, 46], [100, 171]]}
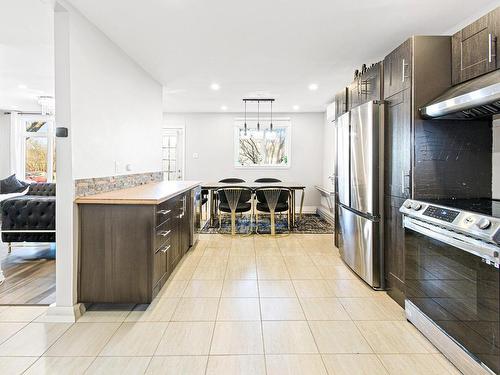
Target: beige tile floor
{"points": [[248, 305]]}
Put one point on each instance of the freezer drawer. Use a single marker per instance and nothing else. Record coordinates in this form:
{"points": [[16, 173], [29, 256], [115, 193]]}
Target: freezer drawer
{"points": [[343, 163], [366, 133], [358, 241]]}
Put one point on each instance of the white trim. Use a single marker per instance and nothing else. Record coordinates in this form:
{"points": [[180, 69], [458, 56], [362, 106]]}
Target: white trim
{"points": [[238, 125], [326, 214], [62, 314], [306, 209]]}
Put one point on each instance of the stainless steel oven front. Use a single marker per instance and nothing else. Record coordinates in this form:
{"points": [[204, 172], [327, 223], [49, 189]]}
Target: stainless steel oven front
{"points": [[452, 293]]}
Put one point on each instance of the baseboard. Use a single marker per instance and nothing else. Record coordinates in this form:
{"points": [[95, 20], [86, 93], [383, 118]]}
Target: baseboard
{"points": [[326, 214], [307, 209], [62, 314]]}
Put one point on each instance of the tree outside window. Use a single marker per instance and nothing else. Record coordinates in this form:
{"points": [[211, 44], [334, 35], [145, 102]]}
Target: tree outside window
{"points": [[264, 147], [39, 150]]}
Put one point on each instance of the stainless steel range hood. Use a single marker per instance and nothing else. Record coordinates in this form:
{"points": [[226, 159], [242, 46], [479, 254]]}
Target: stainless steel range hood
{"points": [[476, 98]]}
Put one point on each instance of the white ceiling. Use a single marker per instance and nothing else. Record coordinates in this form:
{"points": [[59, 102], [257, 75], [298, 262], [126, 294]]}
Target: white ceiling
{"points": [[274, 46], [26, 54]]}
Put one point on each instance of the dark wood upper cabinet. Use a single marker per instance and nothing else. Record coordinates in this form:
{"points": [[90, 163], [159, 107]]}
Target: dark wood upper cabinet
{"points": [[365, 87], [397, 69], [341, 102], [475, 48], [354, 94], [369, 84]]}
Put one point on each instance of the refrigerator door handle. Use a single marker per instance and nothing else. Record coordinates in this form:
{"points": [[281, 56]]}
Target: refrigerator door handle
{"points": [[404, 187], [403, 182]]}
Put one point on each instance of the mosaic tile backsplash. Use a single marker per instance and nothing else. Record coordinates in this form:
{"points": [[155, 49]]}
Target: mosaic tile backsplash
{"points": [[90, 186]]}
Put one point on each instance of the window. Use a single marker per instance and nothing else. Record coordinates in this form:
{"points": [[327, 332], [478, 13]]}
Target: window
{"points": [[265, 148], [38, 149]]}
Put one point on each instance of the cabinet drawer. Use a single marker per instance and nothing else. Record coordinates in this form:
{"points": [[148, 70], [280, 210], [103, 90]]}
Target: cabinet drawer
{"points": [[164, 212], [160, 262], [163, 234]]}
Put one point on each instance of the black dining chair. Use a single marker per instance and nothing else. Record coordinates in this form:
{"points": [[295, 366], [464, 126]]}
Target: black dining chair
{"points": [[268, 180], [231, 180], [272, 199], [232, 200]]}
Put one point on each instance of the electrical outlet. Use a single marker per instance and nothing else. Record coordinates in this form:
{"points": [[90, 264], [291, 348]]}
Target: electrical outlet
{"points": [[195, 155]]}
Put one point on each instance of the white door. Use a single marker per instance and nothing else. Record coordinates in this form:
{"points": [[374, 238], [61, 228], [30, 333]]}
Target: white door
{"points": [[173, 154]]}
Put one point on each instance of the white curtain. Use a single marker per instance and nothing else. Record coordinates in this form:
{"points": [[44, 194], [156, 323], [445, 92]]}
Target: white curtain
{"points": [[16, 147]]}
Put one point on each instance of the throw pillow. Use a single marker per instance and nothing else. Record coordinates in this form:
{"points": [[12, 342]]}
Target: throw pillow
{"points": [[12, 185]]}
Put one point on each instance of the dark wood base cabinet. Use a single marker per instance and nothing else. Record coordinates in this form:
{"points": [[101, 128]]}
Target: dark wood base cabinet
{"points": [[394, 241], [128, 251]]}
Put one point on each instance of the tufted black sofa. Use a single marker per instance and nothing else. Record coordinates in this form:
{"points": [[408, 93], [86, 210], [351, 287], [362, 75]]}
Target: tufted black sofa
{"points": [[34, 211]]}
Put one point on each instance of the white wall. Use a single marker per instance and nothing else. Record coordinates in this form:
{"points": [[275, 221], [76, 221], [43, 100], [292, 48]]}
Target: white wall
{"points": [[211, 135], [4, 145], [116, 107], [113, 110], [329, 155], [496, 159]]}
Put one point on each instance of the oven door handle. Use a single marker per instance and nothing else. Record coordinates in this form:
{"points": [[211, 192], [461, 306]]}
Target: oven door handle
{"points": [[488, 252]]}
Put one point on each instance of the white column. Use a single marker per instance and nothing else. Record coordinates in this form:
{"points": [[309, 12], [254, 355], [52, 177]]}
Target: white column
{"points": [[65, 308]]}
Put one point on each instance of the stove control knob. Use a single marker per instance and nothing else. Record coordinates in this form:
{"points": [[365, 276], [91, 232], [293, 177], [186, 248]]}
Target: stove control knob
{"points": [[408, 204], [483, 223], [416, 206]]}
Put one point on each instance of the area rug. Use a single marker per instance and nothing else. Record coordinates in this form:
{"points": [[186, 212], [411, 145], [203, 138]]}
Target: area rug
{"points": [[310, 223]]}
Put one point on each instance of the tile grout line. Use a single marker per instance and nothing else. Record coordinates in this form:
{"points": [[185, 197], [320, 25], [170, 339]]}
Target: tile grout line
{"points": [[310, 330], [262, 327], [215, 322]]}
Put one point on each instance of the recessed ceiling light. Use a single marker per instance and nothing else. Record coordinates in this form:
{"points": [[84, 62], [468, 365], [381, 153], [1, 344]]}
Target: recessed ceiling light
{"points": [[22, 87], [313, 86], [215, 86], [224, 108], [296, 107]]}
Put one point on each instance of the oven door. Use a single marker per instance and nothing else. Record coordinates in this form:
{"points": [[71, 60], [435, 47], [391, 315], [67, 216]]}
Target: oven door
{"points": [[449, 281]]}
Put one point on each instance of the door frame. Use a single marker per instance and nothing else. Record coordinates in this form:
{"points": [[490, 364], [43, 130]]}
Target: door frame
{"points": [[182, 127]]}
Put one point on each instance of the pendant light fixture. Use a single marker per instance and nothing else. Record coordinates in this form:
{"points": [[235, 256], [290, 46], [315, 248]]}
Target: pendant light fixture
{"points": [[270, 100]]}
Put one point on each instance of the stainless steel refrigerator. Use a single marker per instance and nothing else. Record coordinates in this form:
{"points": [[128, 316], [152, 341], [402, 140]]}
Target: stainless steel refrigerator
{"points": [[360, 163]]}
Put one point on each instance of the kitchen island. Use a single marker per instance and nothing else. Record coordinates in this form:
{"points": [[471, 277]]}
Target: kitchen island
{"points": [[131, 240]]}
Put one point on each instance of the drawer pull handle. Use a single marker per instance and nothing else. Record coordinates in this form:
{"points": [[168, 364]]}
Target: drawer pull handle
{"points": [[403, 71], [164, 212], [164, 250], [490, 48], [165, 233]]}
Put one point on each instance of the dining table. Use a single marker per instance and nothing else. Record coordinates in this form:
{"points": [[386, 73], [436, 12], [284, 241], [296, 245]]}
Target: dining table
{"points": [[293, 186]]}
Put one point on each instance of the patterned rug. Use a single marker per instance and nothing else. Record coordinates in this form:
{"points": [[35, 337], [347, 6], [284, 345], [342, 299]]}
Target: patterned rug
{"points": [[310, 223]]}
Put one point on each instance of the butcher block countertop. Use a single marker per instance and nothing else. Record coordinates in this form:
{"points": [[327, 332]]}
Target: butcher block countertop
{"points": [[154, 193]]}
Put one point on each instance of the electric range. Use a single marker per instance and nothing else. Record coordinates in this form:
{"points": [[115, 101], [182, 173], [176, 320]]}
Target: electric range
{"points": [[452, 278]]}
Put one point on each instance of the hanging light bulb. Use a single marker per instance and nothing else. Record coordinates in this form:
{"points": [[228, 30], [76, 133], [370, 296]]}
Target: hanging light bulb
{"points": [[258, 115], [245, 118], [271, 124]]}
